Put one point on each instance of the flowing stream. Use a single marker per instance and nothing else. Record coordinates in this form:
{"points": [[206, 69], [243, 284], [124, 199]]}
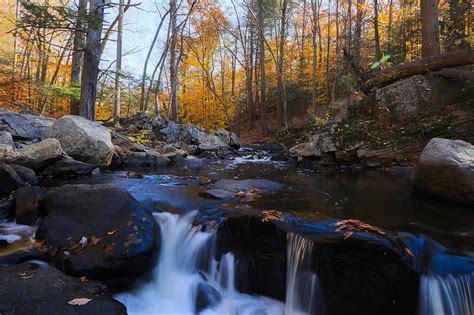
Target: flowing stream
{"points": [[449, 295], [179, 284]]}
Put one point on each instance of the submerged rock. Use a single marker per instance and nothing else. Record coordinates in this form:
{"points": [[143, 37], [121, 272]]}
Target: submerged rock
{"points": [[446, 170], [35, 155], [84, 140], [7, 208], [27, 289], [25, 125], [98, 231], [246, 189], [206, 297]]}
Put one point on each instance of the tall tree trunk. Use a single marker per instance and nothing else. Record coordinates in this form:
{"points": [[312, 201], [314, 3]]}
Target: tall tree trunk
{"points": [[249, 79], [357, 45], [173, 62], [336, 74], [378, 51], [389, 26], [281, 63], [328, 51], [315, 18], [77, 53], [429, 28], [263, 79], [118, 64], [90, 69]]}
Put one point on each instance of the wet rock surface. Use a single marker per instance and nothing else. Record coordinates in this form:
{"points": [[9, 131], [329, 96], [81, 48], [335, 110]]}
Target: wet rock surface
{"points": [[27, 205], [97, 231], [10, 180], [371, 273], [243, 189], [35, 155], [26, 289], [446, 170]]}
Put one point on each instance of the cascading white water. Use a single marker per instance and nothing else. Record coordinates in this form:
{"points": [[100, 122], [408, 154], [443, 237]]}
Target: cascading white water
{"points": [[177, 276], [450, 295], [302, 286]]}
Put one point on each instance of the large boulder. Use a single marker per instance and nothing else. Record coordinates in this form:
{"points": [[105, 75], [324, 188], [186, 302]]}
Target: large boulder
{"points": [[228, 138], [9, 179], [84, 140], [446, 170], [26, 289], [319, 146], [6, 138], [171, 133], [97, 231], [24, 125], [68, 167], [35, 155], [209, 142], [26, 174]]}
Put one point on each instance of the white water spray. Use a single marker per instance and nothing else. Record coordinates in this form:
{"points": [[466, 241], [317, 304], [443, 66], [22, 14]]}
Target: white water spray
{"points": [[450, 295], [302, 286], [177, 276]]}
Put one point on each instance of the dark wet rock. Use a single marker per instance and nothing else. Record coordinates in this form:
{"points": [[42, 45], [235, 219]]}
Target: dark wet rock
{"points": [[35, 155], [217, 194], [446, 170], [149, 158], [84, 140], [29, 290], [7, 208], [24, 125], [27, 205], [264, 186], [69, 167], [6, 138], [98, 231], [26, 174], [206, 297], [249, 188], [372, 273], [10, 180], [21, 256]]}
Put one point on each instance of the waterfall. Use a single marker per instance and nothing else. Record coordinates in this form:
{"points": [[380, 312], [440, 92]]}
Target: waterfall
{"points": [[303, 294], [180, 283], [450, 295]]}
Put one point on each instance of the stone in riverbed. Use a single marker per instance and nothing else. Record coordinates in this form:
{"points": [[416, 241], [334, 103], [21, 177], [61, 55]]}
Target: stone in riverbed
{"points": [[228, 188], [84, 140], [26, 289], [35, 155], [9, 179], [27, 174], [98, 231], [7, 208], [206, 297], [6, 138], [67, 166], [228, 138], [446, 170], [27, 201], [24, 125]]}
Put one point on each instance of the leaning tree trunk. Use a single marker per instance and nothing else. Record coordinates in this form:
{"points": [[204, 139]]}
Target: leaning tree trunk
{"points": [[422, 66], [90, 69]]}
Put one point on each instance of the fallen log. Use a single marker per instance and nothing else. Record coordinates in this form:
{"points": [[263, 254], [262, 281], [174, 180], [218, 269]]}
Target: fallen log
{"points": [[422, 66], [455, 74]]}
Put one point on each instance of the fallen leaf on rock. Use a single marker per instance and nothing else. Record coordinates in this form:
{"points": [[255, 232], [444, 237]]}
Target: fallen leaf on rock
{"points": [[347, 235], [94, 240], [79, 301], [357, 225], [111, 232], [25, 276], [83, 279], [247, 195], [270, 215], [409, 252]]}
